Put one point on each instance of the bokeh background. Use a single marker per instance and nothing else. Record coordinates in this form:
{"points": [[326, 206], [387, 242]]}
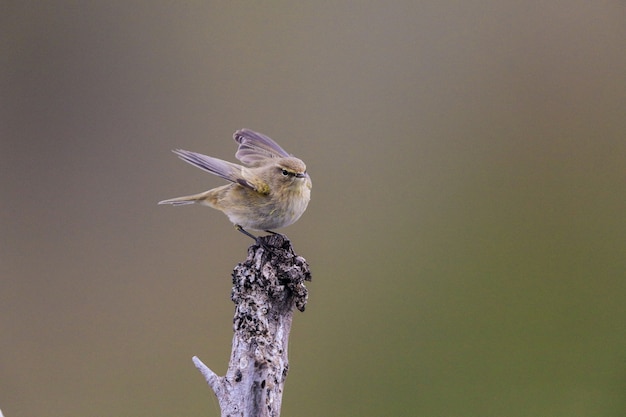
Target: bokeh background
{"points": [[466, 232]]}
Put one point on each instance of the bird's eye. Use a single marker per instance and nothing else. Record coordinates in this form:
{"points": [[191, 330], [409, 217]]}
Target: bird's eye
{"points": [[285, 173]]}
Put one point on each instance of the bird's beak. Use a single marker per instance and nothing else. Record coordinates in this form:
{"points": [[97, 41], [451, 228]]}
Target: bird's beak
{"points": [[301, 175]]}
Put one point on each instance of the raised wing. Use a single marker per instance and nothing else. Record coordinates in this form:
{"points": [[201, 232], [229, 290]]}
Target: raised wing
{"points": [[227, 170], [255, 147]]}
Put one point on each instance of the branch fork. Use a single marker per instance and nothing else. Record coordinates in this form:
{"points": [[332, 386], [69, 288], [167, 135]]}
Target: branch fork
{"points": [[267, 287]]}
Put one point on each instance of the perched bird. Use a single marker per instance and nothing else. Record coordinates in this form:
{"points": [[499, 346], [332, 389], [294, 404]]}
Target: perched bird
{"points": [[271, 192]]}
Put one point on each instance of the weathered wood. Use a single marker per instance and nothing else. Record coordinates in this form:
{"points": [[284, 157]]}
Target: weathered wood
{"points": [[266, 288]]}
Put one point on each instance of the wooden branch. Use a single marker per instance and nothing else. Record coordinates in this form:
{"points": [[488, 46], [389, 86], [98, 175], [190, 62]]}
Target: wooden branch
{"points": [[266, 288]]}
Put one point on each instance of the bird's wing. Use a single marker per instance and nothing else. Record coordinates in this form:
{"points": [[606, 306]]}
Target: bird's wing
{"points": [[255, 147], [227, 170]]}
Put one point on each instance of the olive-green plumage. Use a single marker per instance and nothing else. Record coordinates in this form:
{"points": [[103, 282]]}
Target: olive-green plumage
{"points": [[272, 192]]}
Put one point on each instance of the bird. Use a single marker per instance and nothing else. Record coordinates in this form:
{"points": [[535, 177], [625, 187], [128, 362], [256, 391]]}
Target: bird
{"points": [[272, 191]]}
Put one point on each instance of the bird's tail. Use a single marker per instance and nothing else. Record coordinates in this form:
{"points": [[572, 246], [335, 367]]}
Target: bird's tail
{"points": [[188, 199]]}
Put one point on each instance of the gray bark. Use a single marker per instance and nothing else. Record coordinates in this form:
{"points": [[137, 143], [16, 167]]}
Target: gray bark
{"points": [[266, 288]]}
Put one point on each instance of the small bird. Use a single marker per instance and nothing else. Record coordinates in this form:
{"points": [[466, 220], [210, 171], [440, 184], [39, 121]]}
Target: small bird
{"points": [[271, 192]]}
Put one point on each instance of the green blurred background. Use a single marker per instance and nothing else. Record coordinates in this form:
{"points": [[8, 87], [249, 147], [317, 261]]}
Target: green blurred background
{"points": [[466, 231]]}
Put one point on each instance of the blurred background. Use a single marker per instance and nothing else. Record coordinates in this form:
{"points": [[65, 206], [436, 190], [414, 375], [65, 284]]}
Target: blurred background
{"points": [[466, 231]]}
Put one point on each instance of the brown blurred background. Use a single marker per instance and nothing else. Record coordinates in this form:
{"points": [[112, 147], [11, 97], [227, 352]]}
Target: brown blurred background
{"points": [[466, 232]]}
